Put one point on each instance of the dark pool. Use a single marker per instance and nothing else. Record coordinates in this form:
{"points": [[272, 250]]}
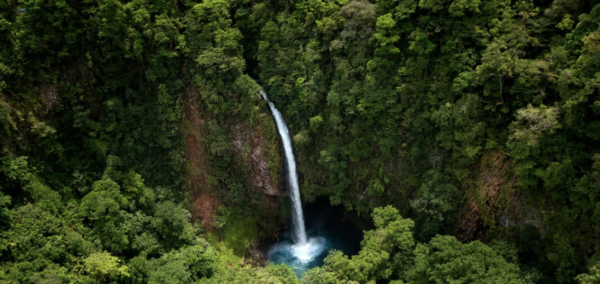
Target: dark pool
{"points": [[328, 227]]}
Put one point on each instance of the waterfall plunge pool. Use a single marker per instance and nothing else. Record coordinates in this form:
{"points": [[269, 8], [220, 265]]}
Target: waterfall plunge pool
{"points": [[327, 227], [308, 241]]}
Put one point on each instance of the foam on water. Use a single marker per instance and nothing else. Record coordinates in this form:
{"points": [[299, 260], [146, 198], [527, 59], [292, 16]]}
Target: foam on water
{"points": [[306, 252], [303, 253], [299, 255]]}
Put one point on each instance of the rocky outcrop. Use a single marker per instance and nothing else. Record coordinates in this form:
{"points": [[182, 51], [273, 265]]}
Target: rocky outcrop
{"points": [[482, 202], [255, 149], [257, 153], [49, 97], [493, 202]]}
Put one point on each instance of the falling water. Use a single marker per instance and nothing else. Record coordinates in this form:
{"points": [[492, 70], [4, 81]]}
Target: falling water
{"points": [[292, 176]]}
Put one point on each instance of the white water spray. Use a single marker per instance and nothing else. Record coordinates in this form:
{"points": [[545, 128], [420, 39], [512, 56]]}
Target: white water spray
{"points": [[292, 176]]}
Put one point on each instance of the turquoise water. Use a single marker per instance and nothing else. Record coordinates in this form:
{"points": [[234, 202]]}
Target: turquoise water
{"points": [[327, 228]]}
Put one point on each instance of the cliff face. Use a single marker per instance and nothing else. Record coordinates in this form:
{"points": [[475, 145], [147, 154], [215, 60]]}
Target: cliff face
{"points": [[481, 205], [493, 202], [259, 155], [253, 149], [204, 201]]}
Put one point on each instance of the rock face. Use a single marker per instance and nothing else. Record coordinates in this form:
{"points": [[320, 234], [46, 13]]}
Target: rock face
{"points": [[482, 204], [49, 97], [255, 149], [494, 202]]}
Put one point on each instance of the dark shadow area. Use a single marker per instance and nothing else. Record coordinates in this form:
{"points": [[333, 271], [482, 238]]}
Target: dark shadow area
{"points": [[328, 227]]}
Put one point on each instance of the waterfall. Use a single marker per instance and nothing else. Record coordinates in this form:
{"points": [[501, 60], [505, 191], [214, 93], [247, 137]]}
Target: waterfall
{"points": [[292, 176]]}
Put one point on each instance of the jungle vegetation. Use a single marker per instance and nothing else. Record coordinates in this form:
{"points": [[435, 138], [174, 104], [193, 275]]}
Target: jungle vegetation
{"points": [[467, 131]]}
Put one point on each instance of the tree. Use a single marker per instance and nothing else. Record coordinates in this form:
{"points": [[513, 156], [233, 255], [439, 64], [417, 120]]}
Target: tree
{"points": [[270, 274], [5, 215], [175, 272], [437, 200], [592, 277], [102, 266], [102, 206], [385, 251], [444, 259], [532, 122], [172, 224]]}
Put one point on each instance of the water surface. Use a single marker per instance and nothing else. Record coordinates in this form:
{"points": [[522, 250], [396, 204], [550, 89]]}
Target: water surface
{"points": [[327, 228]]}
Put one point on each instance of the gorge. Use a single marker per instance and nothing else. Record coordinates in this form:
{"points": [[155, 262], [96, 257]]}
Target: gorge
{"points": [[415, 141]]}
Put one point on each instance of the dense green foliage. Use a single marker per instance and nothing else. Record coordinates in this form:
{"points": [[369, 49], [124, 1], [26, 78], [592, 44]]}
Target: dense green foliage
{"points": [[389, 252], [390, 102], [401, 102], [92, 170]]}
